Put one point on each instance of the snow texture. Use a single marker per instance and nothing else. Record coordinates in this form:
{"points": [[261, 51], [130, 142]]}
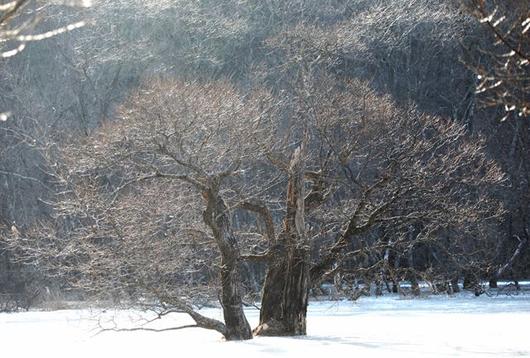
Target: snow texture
{"points": [[437, 326]]}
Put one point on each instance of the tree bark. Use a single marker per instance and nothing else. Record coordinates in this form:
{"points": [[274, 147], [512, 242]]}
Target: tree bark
{"points": [[286, 287], [493, 283], [217, 217], [470, 281], [454, 285]]}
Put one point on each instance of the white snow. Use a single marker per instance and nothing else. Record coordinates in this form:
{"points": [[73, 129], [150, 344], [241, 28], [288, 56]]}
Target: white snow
{"points": [[436, 326]]}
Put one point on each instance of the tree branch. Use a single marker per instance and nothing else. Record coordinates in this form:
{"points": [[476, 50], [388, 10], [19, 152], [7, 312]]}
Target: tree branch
{"points": [[265, 214], [146, 329]]}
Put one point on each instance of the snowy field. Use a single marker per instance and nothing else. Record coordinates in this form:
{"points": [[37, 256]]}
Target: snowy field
{"points": [[437, 326]]}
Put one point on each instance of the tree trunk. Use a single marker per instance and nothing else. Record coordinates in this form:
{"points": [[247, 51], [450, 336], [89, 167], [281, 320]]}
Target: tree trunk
{"points": [[414, 285], [271, 313], [237, 326], [297, 292], [470, 281], [286, 288], [411, 274], [217, 217], [493, 283], [454, 285]]}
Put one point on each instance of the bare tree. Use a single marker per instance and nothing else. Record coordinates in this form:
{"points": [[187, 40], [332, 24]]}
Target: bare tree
{"points": [[503, 68], [370, 165], [189, 139], [500, 63], [373, 166], [17, 27], [20, 24]]}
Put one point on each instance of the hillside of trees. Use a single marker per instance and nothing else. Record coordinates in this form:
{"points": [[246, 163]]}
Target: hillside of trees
{"points": [[175, 153]]}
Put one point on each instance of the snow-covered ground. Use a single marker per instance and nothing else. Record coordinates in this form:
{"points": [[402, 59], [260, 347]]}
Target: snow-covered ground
{"points": [[437, 326]]}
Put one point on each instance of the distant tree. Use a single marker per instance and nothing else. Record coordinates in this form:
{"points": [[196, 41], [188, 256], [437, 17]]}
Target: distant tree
{"points": [[20, 22], [503, 69], [500, 61]]}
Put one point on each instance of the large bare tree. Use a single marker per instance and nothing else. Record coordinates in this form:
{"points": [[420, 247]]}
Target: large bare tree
{"points": [[184, 140]]}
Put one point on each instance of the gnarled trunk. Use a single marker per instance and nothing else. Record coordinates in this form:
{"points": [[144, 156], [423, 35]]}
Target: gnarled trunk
{"points": [[271, 313], [217, 217], [297, 291], [286, 288], [237, 326]]}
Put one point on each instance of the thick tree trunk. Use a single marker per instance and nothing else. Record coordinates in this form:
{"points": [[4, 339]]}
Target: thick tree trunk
{"points": [[297, 291], [217, 217], [286, 288], [285, 294], [237, 326], [272, 313]]}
